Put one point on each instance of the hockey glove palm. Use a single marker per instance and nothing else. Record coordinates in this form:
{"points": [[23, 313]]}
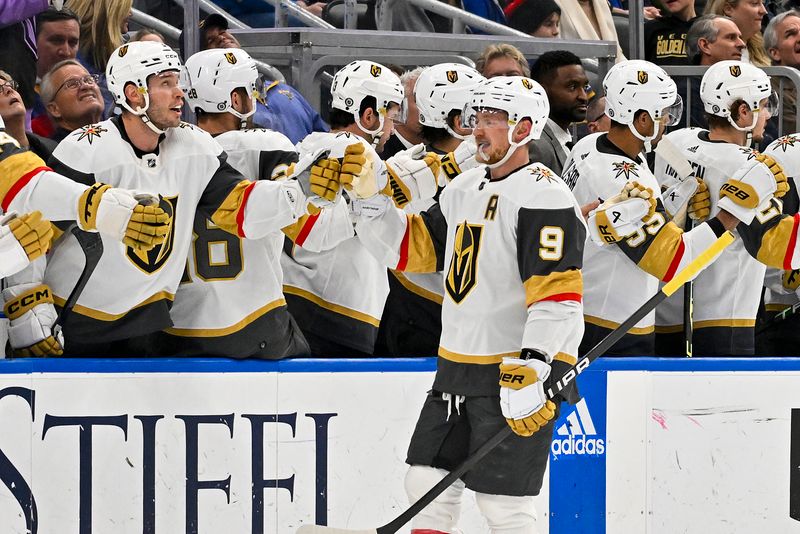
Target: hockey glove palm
{"points": [[690, 197], [622, 214], [782, 183], [751, 186], [522, 399], [360, 173], [22, 240], [30, 309], [459, 160], [413, 175], [136, 220]]}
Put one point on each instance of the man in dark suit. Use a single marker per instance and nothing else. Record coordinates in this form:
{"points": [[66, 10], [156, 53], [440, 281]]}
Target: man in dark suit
{"points": [[561, 74]]}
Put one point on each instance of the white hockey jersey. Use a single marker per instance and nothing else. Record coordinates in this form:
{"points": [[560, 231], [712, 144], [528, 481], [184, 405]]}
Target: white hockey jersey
{"points": [[337, 294], [511, 250], [231, 300], [130, 293]]}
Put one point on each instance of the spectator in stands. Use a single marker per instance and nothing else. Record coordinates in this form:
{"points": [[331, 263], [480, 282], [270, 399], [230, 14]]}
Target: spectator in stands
{"points": [[502, 60], [408, 134], [596, 118], [146, 34], [782, 43], [561, 74], [539, 18], [103, 23], [665, 37], [588, 20], [12, 111], [57, 38], [72, 97], [280, 107], [748, 16]]}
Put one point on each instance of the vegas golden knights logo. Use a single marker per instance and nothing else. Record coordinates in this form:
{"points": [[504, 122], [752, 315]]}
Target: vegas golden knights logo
{"points": [[230, 57], [375, 70], [642, 76], [155, 258], [463, 273], [527, 84], [123, 50], [452, 76], [736, 70]]}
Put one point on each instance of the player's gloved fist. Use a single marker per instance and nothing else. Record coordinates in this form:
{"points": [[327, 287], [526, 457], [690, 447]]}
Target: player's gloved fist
{"points": [[622, 214], [22, 240], [413, 175], [30, 309], [459, 160], [522, 399], [700, 203], [360, 174], [136, 220], [747, 189], [782, 183], [318, 177]]}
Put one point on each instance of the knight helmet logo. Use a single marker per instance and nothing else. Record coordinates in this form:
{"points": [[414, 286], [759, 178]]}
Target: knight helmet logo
{"points": [[527, 84], [452, 76], [642, 76], [123, 50], [375, 70], [230, 57], [736, 70], [463, 273]]}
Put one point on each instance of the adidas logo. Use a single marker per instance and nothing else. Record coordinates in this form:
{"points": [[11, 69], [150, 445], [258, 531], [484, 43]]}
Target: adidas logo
{"points": [[693, 148], [576, 432]]}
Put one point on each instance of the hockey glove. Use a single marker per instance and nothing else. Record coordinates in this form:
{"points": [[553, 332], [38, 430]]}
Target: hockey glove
{"points": [[22, 240], [791, 280], [459, 160], [318, 176], [362, 177], [413, 175], [749, 187], [622, 214], [136, 220], [522, 399], [30, 309], [777, 171], [689, 196]]}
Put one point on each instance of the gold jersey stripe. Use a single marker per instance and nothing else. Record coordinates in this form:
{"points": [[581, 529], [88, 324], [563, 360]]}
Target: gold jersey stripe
{"points": [[566, 358], [731, 323], [637, 331], [226, 215], [103, 316], [777, 307], [417, 290], [417, 254], [15, 168], [220, 332], [336, 308], [671, 329], [478, 359], [775, 242], [542, 287], [659, 255]]}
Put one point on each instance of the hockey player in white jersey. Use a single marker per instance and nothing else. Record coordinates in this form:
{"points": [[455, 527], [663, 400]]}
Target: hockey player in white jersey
{"points": [[412, 317], [339, 313], [230, 302], [509, 236], [641, 100], [738, 99], [149, 148]]}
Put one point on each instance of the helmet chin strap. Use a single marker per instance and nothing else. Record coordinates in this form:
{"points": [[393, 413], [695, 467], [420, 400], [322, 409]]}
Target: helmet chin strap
{"points": [[141, 112], [377, 132], [454, 134], [748, 130], [647, 139], [243, 116]]}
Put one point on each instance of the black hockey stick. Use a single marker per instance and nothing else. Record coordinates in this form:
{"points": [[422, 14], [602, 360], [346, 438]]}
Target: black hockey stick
{"points": [[706, 257], [92, 246]]}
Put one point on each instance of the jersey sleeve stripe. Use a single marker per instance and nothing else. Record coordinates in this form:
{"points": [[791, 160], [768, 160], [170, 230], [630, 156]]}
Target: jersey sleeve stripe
{"points": [[17, 170], [562, 297], [417, 253], [307, 224], [566, 358], [778, 243], [662, 252], [554, 286], [240, 211], [676, 261], [790, 250]]}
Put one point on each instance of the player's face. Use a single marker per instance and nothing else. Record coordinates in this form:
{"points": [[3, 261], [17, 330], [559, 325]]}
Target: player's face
{"points": [[747, 15], [166, 99], [766, 111], [787, 53], [491, 136], [567, 94]]}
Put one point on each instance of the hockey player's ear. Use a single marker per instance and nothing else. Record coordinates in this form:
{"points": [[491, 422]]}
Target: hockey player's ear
{"points": [[370, 118], [741, 114], [134, 97], [522, 129]]}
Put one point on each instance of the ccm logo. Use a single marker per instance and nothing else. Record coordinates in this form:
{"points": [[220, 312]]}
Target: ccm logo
{"points": [[735, 191], [509, 378], [28, 300]]}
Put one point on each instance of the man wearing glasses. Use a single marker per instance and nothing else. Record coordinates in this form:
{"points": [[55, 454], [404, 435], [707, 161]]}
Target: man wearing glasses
{"points": [[72, 97]]}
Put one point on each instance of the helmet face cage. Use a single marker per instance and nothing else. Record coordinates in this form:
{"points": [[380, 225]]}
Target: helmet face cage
{"points": [[360, 79], [442, 88], [215, 74]]}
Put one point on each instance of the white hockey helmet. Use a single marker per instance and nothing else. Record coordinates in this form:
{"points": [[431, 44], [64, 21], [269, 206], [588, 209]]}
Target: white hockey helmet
{"points": [[134, 63], [520, 97], [360, 79], [442, 88], [636, 85], [727, 82], [215, 73]]}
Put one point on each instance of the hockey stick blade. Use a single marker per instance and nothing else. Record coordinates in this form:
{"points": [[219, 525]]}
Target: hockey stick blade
{"points": [[92, 246], [688, 272]]}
